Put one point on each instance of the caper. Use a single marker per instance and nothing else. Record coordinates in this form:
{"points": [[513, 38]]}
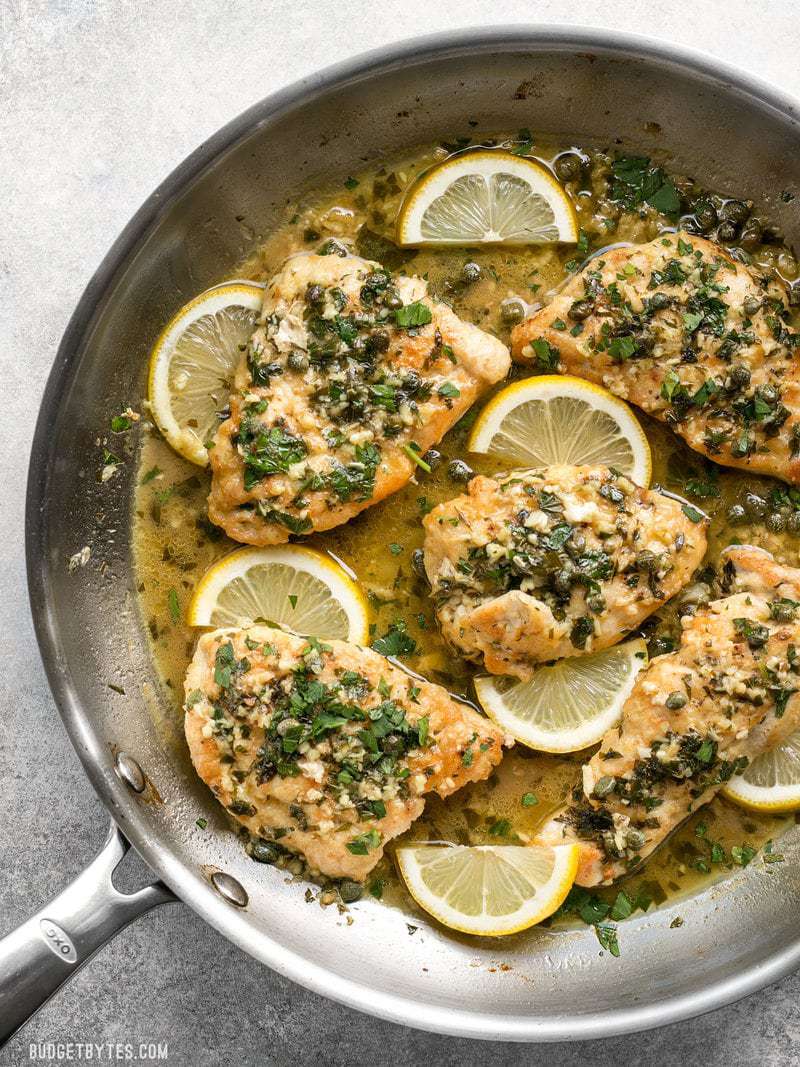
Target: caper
{"points": [[265, 851], [377, 342], [737, 514], [562, 581], [776, 522], [794, 295], [512, 311], [727, 232], [783, 610], [750, 305], [581, 310], [350, 891], [658, 301], [738, 376], [568, 166], [793, 522], [332, 247], [470, 273], [297, 360], [418, 563], [377, 280], [604, 786], [769, 394], [645, 560], [755, 505], [705, 215], [315, 294], [432, 458], [635, 839], [734, 211], [751, 234], [459, 471], [392, 300], [676, 700]]}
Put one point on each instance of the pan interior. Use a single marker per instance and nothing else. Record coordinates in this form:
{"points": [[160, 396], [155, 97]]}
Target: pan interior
{"points": [[207, 218]]}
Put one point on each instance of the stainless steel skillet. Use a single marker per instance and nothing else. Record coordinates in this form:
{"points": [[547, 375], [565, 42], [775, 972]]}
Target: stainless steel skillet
{"points": [[735, 133]]}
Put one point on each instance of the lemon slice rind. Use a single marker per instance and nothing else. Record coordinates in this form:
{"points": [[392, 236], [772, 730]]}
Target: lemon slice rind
{"points": [[193, 362], [553, 418], [568, 706], [307, 591], [487, 197], [488, 890], [772, 781]]}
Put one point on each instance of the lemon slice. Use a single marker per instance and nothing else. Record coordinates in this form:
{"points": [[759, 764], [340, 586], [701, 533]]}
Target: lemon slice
{"points": [[287, 585], [772, 781], [488, 889], [193, 363], [554, 418], [569, 706], [487, 197]]}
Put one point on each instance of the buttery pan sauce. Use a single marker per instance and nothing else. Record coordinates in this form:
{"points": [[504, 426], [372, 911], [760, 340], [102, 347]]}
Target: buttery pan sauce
{"points": [[174, 543]]}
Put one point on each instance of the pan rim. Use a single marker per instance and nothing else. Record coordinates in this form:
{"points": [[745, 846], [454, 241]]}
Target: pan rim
{"points": [[187, 884]]}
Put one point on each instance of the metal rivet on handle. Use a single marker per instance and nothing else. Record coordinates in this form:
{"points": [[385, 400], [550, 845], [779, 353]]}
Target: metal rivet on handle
{"points": [[130, 772], [228, 887]]}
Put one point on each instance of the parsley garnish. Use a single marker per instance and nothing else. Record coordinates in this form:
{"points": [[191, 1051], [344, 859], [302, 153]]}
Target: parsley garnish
{"points": [[224, 665], [362, 844], [416, 314], [636, 182], [267, 452], [692, 513], [547, 355], [397, 641]]}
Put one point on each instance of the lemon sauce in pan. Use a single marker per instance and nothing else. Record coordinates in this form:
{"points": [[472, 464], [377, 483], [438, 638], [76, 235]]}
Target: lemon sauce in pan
{"points": [[174, 543]]}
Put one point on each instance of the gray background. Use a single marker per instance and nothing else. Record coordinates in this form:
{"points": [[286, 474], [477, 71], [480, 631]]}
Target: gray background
{"points": [[98, 102]]}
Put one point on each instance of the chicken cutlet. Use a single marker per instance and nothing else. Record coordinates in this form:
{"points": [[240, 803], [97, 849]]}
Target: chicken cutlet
{"points": [[542, 564], [350, 376], [695, 718], [691, 336], [325, 748]]}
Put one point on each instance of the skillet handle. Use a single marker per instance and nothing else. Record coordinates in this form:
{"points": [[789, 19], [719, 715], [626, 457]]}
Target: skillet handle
{"points": [[39, 956]]}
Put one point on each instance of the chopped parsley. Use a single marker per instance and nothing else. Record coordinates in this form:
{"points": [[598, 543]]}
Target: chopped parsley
{"points": [[397, 641], [412, 315], [547, 355], [635, 181], [268, 451]]}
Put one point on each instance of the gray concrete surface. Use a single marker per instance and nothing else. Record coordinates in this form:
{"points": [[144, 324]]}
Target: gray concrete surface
{"points": [[98, 101]]}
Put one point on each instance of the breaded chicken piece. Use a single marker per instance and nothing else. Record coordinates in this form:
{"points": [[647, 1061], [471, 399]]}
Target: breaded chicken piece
{"points": [[543, 564], [350, 375], [325, 748], [695, 718], [690, 335]]}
